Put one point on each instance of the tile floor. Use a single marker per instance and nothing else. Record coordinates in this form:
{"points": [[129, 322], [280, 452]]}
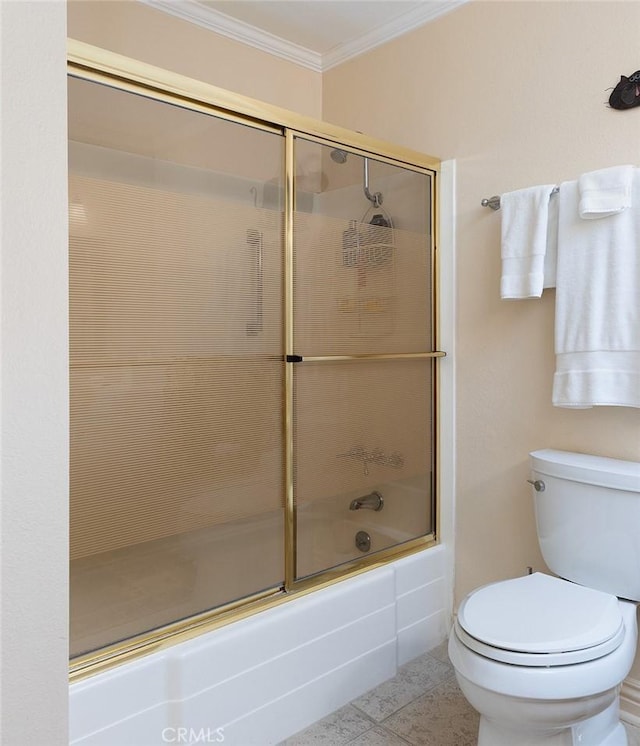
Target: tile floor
{"points": [[421, 706]]}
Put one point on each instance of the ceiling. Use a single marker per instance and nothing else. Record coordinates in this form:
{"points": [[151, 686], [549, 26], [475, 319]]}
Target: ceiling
{"points": [[317, 34]]}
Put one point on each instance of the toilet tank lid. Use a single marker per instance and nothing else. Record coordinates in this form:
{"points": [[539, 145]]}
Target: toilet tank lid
{"points": [[540, 614], [582, 467]]}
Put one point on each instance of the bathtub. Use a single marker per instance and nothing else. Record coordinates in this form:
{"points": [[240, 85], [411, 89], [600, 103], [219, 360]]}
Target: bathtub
{"points": [[260, 680], [118, 594]]}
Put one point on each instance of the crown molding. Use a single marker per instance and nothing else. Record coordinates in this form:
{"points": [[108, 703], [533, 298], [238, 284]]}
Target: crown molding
{"points": [[400, 25], [194, 12]]}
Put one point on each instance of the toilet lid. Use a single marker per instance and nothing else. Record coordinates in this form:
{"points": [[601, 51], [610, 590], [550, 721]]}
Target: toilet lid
{"points": [[541, 614]]}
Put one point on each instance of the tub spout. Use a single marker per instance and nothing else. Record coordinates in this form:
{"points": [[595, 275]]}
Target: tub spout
{"points": [[372, 501]]}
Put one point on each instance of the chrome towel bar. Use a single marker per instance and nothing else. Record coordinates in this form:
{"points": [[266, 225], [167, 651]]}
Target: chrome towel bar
{"points": [[494, 202]]}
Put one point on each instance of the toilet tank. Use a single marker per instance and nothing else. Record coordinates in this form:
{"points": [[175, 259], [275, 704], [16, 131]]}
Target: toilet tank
{"points": [[588, 519]]}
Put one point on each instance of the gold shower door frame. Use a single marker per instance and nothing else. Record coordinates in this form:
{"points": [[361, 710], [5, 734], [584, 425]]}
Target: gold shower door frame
{"points": [[93, 64]]}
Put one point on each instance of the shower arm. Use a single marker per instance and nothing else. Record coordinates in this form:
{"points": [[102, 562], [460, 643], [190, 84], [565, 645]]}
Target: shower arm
{"points": [[375, 199]]}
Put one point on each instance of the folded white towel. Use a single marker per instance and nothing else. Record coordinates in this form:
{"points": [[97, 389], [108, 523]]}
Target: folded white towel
{"points": [[524, 241], [597, 335], [605, 192]]}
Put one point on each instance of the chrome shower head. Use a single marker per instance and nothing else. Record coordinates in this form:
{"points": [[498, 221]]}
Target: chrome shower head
{"points": [[339, 156]]}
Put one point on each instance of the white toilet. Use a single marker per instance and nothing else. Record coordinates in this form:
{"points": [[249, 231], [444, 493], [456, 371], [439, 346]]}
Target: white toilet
{"points": [[542, 658]]}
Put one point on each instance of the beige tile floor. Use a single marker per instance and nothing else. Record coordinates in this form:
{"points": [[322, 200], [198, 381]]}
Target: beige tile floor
{"points": [[421, 706]]}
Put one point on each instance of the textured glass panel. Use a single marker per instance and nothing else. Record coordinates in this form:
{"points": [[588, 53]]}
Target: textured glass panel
{"points": [[361, 428], [176, 235], [362, 273]]}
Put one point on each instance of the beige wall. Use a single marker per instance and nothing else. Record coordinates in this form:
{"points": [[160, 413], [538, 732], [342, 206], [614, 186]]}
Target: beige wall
{"points": [[516, 93], [148, 35], [34, 404]]}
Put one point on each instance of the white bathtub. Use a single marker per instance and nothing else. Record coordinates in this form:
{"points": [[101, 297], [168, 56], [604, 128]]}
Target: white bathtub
{"points": [[258, 681], [116, 595]]}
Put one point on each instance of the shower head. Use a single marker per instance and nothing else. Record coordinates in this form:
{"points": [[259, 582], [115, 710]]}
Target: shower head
{"points": [[339, 156]]}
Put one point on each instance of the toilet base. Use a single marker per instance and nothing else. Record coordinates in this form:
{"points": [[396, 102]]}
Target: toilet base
{"points": [[603, 729]]}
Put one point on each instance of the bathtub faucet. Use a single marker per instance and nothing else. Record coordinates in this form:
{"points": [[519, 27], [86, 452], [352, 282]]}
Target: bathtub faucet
{"points": [[372, 501]]}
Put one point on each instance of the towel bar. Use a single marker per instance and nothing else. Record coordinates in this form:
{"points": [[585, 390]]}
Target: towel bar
{"points": [[494, 202]]}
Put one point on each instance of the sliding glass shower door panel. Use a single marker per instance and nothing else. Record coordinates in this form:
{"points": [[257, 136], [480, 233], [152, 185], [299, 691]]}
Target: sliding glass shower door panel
{"points": [[362, 333], [176, 236]]}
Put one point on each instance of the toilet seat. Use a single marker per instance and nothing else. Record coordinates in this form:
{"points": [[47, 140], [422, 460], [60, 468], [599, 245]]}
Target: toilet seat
{"points": [[539, 620]]}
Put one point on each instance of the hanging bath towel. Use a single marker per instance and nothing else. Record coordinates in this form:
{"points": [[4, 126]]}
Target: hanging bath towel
{"points": [[525, 220], [597, 334]]}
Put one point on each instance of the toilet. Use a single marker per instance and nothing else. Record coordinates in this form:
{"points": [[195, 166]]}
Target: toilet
{"points": [[540, 657]]}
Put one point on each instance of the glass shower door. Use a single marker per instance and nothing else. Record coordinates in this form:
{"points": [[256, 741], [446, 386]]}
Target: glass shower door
{"points": [[364, 341], [176, 346]]}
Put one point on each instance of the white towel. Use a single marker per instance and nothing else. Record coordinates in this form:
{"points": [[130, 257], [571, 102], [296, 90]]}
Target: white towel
{"points": [[524, 241], [605, 192], [597, 335], [551, 254]]}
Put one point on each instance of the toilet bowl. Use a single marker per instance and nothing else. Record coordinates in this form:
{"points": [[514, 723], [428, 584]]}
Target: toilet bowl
{"points": [[560, 686], [540, 657]]}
